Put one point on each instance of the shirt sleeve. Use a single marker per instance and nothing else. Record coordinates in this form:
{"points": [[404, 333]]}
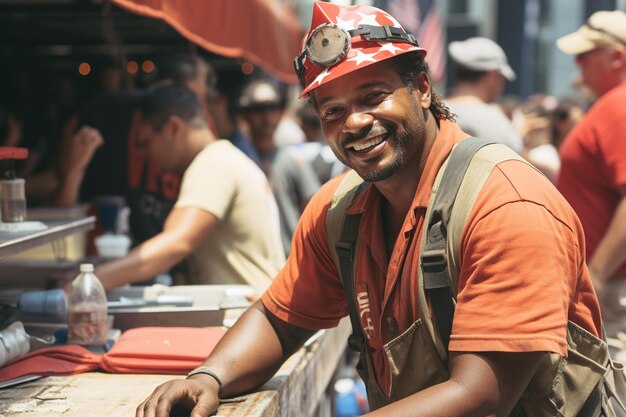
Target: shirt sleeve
{"points": [[613, 148], [209, 184], [308, 292], [520, 270]]}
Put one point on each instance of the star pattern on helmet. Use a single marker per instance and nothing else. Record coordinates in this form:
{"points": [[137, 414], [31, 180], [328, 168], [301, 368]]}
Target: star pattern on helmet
{"points": [[367, 19], [388, 47], [345, 24], [320, 77], [363, 52], [361, 57], [393, 21]]}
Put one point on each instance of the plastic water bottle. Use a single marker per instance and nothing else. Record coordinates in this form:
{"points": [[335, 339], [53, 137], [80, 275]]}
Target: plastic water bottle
{"points": [[87, 309]]}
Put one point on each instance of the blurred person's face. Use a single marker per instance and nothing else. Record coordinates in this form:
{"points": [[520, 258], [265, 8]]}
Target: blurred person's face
{"points": [[495, 82], [158, 145], [263, 122], [597, 71]]}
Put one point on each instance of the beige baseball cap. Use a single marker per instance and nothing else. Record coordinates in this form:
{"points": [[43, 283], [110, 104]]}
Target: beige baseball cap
{"points": [[603, 28]]}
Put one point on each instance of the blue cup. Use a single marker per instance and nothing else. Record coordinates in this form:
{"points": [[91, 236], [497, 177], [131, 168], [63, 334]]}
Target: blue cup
{"points": [[109, 208]]}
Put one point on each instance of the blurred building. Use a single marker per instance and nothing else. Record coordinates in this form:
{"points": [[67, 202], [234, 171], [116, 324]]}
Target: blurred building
{"points": [[527, 31]]}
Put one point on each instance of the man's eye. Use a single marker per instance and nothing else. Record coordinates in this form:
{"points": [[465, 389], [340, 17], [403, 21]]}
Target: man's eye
{"points": [[331, 113], [375, 96]]}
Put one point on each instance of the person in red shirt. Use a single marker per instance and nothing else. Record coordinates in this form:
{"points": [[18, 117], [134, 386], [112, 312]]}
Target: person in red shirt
{"points": [[522, 271], [593, 158]]}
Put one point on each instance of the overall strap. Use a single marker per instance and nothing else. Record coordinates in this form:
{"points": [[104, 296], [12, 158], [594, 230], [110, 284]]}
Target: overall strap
{"points": [[342, 234], [456, 187], [434, 260], [345, 251]]}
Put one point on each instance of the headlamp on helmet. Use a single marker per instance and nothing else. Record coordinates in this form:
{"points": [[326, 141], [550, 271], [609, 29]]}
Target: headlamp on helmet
{"points": [[328, 43]]}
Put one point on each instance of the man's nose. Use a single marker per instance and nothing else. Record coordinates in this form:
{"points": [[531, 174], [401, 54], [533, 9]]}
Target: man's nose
{"points": [[357, 121]]}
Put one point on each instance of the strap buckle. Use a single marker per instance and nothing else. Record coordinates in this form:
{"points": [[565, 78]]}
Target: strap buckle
{"points": [[434, 261], [384, 33], [345, 250], [356, 342]]}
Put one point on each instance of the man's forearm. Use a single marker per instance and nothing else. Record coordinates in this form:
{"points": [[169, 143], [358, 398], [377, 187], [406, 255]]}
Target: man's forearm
{"points": [[252, 350], [481, 384], [145, 261], [69, 188], [610, 254]]}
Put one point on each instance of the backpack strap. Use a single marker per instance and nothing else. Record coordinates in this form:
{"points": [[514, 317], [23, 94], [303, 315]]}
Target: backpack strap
{"points": [[464, 174], [342, 233]]}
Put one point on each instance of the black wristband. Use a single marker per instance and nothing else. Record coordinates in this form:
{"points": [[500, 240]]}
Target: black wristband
{"points": [[206, 371]]}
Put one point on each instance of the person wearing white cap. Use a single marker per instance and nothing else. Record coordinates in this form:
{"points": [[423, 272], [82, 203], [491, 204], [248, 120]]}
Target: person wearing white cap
{"points": [[593, 155], [481, 72]]}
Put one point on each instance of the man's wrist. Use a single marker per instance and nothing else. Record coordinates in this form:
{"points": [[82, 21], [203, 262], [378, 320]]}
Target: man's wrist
{"points": [[204, 370]]}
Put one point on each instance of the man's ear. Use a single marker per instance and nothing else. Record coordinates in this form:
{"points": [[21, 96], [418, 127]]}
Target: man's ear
{"points": [[422, 86], [619, 58], [175, 126]]}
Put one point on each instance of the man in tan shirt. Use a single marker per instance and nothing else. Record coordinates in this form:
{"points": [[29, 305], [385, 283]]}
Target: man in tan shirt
{"points": [[225, 219]]}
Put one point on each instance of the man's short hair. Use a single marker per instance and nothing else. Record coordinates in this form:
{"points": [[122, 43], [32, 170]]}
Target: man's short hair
{"points": [[162, 101], [468, 75]]}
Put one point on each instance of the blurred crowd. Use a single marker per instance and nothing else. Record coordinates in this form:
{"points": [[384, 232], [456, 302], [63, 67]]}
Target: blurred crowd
{"points": [[46, 124], [90, 149], [85, 140]]}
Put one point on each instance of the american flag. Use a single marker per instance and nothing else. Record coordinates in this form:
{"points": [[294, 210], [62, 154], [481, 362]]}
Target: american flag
{"points": [[422, 18]]}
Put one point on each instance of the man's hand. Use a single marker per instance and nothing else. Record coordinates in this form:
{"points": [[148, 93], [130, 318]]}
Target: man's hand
{"points": [[198, 393], [81, 149], [241, 365]]}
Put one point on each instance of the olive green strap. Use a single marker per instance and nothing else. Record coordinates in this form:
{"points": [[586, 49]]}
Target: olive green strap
{"points": [[476, 173], [434, 259], [342, 235]]}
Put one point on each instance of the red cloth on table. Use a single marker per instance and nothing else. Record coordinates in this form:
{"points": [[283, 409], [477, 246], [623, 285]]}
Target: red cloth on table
{"points": [[144, 350]]}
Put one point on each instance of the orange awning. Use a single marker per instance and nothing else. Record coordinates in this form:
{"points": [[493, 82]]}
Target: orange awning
{"points": [[261, 31]]}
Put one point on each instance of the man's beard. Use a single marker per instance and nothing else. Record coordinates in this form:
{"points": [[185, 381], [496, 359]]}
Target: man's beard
{"points": [[400, 142]]}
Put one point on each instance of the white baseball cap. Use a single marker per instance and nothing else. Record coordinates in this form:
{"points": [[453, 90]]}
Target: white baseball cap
{"points": [[481, 54], [603, 28]]}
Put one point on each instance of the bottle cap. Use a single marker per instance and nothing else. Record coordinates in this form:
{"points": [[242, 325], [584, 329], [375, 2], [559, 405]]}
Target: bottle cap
{"points": [[86, 267]]}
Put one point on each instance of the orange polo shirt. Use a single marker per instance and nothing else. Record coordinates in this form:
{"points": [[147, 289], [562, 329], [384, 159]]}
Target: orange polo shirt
{"points": [[523, 272]]}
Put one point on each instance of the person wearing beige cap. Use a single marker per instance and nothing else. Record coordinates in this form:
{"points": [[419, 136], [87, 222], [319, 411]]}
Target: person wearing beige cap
{"points": [[593, 167], [481, 73]]}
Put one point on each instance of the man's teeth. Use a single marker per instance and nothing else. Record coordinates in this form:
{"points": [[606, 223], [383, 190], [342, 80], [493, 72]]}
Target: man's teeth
{"points": [[368, 144]]}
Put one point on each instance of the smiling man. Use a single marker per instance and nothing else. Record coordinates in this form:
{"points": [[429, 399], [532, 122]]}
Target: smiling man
{"points": [[522, 275]]}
